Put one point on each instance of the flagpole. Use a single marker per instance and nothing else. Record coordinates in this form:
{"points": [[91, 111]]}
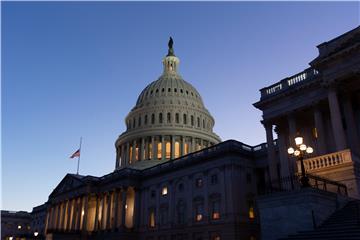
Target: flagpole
{"points": [[77, 172]]}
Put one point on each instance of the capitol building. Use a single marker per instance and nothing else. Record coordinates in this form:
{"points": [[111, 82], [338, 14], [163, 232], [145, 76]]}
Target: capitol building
{"points": [[175, 179]]}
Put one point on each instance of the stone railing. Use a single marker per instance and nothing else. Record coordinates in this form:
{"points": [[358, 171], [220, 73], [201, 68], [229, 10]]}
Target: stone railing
{"points": [[328, 160], [286, 83]]}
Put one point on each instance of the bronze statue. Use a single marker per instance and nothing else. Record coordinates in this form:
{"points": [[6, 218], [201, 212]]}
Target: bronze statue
{"points": [[170, 45]]}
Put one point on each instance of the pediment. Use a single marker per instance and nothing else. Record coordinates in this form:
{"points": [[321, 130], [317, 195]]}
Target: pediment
{"points": [[69, 182]]}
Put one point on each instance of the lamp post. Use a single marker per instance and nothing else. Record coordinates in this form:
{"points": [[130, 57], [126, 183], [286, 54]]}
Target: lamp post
{"points": [[299, 152]]}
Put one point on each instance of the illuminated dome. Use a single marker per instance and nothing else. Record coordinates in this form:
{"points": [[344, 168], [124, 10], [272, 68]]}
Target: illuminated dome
{"points": [[169, 120]]}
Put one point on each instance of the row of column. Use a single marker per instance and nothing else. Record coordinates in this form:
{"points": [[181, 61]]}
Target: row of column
{"points": [[288, 167], [105, 211], [158, 147]]}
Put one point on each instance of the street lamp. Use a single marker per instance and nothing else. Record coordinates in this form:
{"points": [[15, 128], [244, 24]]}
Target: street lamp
{"points": [[299, 152]]}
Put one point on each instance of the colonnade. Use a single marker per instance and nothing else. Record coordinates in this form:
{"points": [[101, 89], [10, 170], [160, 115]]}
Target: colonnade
{"points": [[94, 212], [287, 132], [158, 148]]}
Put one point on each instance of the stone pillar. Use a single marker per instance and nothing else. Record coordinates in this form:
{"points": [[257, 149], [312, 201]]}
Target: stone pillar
{"points": [[284, 160], [103, 220], [137, 206], [172, 147], [183, 145], [118, 154], [79, 213], [73, 217], [134, 152], [128, 157], [192, 144], [86, 206], [319, 125], [351, 127], [108, 201], [142, 147], [123, 207], [292, 135], [154, 148], [336, 121], [123, 154], [96, 223], [163, 148], [271, 152], [147, 156], [115, 209]]}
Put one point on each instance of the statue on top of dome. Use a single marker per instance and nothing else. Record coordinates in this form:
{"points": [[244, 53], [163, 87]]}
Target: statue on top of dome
{"points": [[170, 45]]}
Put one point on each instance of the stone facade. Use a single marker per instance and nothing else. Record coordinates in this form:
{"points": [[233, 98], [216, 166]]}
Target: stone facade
{"points": [[322, 104]]}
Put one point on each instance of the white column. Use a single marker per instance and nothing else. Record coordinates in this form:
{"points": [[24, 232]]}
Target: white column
{"points": [[336, 121], [163, 148], [123, 203], [284, 160], [142, 147], [86, 205], [128, 157], [351, 127], [154, 148], [134, 152], [182, 145], [271, 152], [172, 147], [115, 209]]}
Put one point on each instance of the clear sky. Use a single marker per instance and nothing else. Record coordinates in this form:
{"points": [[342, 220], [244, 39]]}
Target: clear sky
{"points": [[76, 69]]}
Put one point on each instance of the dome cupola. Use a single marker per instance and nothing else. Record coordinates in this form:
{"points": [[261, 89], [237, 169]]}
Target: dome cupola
{"points": [[169, 120]]}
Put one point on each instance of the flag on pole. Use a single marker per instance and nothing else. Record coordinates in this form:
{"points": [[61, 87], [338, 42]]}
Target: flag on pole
{"points": [[76, 154]]}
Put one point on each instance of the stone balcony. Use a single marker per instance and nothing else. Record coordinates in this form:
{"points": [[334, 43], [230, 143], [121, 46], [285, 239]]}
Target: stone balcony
{"points": [[328, 160], [289, 82]]}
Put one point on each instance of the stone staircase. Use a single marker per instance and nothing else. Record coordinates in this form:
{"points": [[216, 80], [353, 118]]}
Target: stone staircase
{"points": [[344, 224]]}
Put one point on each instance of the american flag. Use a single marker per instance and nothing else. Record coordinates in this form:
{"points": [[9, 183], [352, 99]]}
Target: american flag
{"points": [[76, 154]]}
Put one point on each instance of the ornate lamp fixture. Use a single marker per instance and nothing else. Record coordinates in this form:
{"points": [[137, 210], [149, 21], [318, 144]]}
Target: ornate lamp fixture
{"points": [[299, 152]]}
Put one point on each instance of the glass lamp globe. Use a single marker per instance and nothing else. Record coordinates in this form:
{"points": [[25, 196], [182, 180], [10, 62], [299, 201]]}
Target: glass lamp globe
{"points": [[290, 150], [302, 147], [298, 141], [36, 234], [309, 150], [297, 153]]}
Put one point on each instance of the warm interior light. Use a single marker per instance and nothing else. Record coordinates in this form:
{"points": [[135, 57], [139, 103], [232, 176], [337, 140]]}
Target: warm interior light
{"points": [[291, 150], [19, 226], [309, 150], [164, 191], [82, 213], [302, 147], [11, 238], [36, 234], [298, 140], [125, 206], [297, 153]]}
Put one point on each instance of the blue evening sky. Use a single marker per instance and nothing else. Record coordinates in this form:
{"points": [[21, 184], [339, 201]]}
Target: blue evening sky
{"points": [[72, 69]]}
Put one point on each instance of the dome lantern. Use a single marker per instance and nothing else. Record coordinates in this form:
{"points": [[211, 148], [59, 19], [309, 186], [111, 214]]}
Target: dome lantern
{"points": [[170, 62]]}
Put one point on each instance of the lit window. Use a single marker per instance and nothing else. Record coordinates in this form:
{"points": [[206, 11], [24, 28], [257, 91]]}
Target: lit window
{"points": [[159, 150], [150, 151], [164, 191], [137, 153], [215, 209], [186, 148], [177, 150], [216, 215], [199, 217], [251, 213], [19, 226], [152, 218], [199, 211], [199, 182], [168, 150]]}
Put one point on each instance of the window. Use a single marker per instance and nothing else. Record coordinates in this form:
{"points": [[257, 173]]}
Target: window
{"points": [[160, 118], [185, 119], [177, 149], [146, 119], [181, 212], [152, 118], [186, 148], [203, 123], [199, 182], [251, 209], [134, 123], [168, 117], [150, 151], [169, 89], [177, 118], [163, 215], [164, 191], [175, 90], [152, 194], [181, 187], [198, 122], [215, 236], [163, 90], [152, 217], [139, 122], [215, 209], [192, 120], [168, 150], [214, 179], [199, 211], [159, 150]]}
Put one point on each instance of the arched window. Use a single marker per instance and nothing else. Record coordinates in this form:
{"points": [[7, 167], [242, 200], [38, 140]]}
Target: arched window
{"points": [[198, 122], [152, 217], [168, 117], [181, 212], [159, 150], [146, 119], [134, 122], [203, 123], [139, 121], [177, 118], [192, 120], [152, 118], [168, 150], [185, 119], [160, 118]]}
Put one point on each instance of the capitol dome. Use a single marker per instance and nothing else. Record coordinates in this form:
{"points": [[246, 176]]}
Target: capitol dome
{"points": [[168, 121]]}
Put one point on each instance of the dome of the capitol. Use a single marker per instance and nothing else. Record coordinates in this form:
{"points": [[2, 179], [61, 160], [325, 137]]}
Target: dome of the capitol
{"points": [[168, 121]]}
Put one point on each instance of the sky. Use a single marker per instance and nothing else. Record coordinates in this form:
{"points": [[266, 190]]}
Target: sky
{"points": [[72, 69]]}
